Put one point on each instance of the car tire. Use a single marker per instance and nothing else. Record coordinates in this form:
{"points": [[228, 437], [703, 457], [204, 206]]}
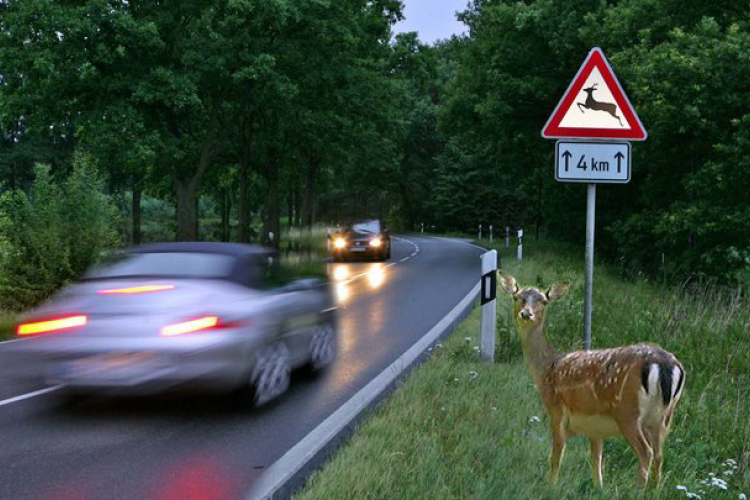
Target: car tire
{"points": [[271, 374], [323, 347]]}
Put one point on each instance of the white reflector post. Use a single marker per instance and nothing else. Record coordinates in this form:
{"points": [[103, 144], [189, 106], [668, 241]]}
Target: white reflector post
{"points": [[520, 244], [489, 306]]}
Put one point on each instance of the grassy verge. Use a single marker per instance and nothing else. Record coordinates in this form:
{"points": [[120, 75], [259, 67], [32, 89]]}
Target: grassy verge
{"points": [[460, 429], [7, 326]]}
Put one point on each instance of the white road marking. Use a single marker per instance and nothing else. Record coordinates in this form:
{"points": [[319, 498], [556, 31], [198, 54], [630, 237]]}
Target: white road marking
{"points": [[29, 395]]}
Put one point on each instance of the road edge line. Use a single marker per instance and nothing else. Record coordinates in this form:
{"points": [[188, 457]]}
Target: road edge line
{"points": [[29, 395], [294, 460]]}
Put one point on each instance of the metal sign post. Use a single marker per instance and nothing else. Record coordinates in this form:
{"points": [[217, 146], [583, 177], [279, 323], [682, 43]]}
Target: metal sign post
{"points": [[590, 218], [491, 235], [593, 121], [480, 231], [489, 306], [507, 237]]}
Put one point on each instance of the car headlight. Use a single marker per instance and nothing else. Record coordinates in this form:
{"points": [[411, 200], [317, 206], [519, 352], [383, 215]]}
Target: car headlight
{"points": [[376, 242], [339, 243]]}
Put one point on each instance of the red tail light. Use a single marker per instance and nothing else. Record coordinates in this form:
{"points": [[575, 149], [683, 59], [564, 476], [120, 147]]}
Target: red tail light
{"points": [[136, 290], [194, 325], [51, 325]]}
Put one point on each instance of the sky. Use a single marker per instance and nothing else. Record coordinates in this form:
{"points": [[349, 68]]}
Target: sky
{"points": [[432, 19]]}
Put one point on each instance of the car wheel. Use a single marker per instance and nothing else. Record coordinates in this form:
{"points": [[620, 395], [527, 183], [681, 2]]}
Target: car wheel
{"points": [[323, 347], [272, 372]]}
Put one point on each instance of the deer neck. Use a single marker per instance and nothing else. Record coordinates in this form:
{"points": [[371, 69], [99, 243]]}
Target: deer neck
{"points": [[538, 353]]}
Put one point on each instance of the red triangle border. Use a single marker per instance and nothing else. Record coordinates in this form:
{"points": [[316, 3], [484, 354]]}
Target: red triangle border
{"points": [[595, 59]]}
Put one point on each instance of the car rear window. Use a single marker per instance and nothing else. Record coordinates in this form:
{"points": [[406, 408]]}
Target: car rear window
{"points": [[167, 264], [372, 226]]}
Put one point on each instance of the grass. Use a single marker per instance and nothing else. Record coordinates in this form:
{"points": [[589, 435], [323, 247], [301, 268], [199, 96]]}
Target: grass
{"points": [[7, 325], [460, 429]]}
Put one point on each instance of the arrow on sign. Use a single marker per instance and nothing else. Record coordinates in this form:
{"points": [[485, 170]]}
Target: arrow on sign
{"points": [[567, 157], [619, 157]]}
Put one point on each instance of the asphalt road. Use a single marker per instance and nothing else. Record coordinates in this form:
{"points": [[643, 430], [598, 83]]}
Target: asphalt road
{"points": [[186, 447]]}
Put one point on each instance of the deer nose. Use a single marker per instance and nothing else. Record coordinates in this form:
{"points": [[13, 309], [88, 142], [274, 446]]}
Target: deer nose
{"points": [[526, 314]]}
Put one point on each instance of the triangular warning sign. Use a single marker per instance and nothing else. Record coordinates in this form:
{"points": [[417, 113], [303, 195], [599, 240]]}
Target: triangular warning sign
{"points": [[595, 106]]}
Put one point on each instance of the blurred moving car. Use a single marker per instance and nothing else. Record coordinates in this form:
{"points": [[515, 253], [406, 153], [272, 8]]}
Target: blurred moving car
{"points": [[367, 238], [212, 315]]}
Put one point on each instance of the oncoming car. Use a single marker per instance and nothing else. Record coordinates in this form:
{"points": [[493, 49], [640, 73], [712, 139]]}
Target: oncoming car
{"points": [[217, 316], [361, 239]]}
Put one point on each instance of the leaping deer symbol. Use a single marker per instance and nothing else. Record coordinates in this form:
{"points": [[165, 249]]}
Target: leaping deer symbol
{"points": [[595, 105]]}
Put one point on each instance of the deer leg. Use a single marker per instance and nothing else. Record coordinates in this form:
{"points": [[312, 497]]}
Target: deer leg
{"points": [[580, 107], [597, 446], [558, 447], [631, 430], [657, 434]]}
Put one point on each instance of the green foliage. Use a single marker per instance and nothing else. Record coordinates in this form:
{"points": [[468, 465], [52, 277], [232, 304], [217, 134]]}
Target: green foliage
{"points": [[53, 234], [684, 67], [7, 325]]}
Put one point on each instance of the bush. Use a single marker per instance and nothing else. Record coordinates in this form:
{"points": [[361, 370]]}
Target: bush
{"points": [[52, 235]]}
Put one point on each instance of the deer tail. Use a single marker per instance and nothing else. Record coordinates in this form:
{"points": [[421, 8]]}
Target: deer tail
{"points": [[666, 377]]}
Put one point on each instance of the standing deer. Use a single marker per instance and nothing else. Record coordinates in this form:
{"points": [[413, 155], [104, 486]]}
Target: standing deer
{"points": [[595, 105], [627, 391]]}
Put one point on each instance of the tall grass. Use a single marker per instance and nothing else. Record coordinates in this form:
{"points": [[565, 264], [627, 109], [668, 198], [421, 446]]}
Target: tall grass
{"points": [[7, 325], [312, 241], [460, 429]]}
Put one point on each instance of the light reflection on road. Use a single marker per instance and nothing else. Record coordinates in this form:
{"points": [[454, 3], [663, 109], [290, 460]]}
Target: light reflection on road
{"points": [[352, 280], [345, 275], [376, 276]]}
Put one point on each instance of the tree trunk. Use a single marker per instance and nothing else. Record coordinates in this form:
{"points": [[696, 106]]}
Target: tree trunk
{"points": [[244, 206], [308, 208], [290, 206], [272, 224], [187, 213], [136, 229], [297, 207], [226, 211], [187, 185]]}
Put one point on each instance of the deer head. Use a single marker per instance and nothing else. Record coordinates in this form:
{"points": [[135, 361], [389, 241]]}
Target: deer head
{"points": [[530, 303], [589, 90]]}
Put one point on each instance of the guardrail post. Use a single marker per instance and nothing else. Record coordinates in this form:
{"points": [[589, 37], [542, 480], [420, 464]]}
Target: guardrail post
{"points": [[489, 306], [520, 244]]}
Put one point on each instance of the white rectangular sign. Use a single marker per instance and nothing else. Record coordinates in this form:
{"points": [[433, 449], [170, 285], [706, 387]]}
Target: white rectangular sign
{"points": [[592, 162]]}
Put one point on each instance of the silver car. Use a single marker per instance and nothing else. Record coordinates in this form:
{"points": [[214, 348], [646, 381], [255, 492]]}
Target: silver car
{"points": [[213, 315]]}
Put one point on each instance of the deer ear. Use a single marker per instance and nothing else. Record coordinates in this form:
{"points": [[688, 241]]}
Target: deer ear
{"points": [[557, 291], [508, 282]]}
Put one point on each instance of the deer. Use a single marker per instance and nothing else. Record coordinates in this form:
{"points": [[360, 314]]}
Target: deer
{"points": [[629, 391], [595, 105]]}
